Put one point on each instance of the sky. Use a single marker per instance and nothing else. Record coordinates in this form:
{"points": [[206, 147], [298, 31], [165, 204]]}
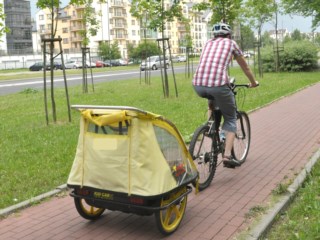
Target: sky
{"points": [[284, 22]]}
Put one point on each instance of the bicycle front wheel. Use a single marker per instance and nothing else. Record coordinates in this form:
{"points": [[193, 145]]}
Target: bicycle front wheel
{"points": [[203, 156], [242, 139]]}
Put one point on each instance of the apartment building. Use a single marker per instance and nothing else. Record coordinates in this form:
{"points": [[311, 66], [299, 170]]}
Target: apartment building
{"points": [[18, 20], [116, 24], [280, 34]]}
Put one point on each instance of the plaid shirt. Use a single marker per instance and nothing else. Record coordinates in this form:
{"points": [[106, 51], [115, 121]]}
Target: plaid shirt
{"points": [[214, 61]]}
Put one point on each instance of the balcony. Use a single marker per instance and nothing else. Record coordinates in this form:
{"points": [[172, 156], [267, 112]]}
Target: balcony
{"points": [[80, 7], [119, 36], [77, 28], [182, 29], [76, 39], [118, 25], [117, 3], [76, 18], [118, 15], [44, 31]]}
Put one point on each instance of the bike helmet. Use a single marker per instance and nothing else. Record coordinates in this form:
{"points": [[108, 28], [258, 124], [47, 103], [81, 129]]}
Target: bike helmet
{"points": [[221, 29]]}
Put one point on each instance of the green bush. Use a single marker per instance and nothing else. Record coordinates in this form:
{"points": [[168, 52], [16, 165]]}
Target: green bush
{"points": [[297, 56]]}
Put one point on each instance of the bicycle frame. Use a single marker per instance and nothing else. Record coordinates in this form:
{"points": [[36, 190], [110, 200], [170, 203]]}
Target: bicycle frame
{"points": [[206, 144], [214, 131], [215, 120]]}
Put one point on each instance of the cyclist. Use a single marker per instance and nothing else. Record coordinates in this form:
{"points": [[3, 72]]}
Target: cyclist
{"points": [[211, 81]]}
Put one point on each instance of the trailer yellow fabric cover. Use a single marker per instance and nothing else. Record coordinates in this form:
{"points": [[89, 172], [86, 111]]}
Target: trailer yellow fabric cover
{"points": [[130, 152]]}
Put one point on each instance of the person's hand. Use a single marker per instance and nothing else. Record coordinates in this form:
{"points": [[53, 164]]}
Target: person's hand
{"points": [[254, 84]]}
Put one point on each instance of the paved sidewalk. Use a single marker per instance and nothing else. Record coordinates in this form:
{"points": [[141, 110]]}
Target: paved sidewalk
{"points": [[285, 135]]}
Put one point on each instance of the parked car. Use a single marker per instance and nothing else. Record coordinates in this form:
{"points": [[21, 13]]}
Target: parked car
{"points": [[182, 58], [57, 65], [39, 66], [123, 62], [113, 62], [90, 64], [100, 64], [73, 64], [179, 59], [154, 63], [248, 54], [106, 64]]}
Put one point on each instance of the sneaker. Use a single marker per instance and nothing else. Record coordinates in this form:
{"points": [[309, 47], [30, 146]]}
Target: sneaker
{"points": [[230, 162]]}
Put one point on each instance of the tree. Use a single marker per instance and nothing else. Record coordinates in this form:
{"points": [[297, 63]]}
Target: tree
{"points": [[305, 8], [153, 9], [317, 40], [3, 28], [157, 14], [258, 13], [266, 40], [91, 26], [296, 35], [226, 11], [108, 52], [89, 20], [144, 50], [247, 37], [53, 7]]}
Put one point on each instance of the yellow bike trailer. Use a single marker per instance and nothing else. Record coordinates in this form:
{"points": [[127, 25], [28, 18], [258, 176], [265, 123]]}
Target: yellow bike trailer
{"points": [[132, 161]]}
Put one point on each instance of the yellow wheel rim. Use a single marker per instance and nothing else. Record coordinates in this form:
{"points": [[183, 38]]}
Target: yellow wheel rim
{"points": [[171, 217], [90, 210]]}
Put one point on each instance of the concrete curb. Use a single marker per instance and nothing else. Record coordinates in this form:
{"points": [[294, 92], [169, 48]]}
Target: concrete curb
{"points": [[267, 220], [27, 203]]}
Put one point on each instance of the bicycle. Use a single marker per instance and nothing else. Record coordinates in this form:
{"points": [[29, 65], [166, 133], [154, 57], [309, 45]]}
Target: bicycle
{"points": [[206, 143]]}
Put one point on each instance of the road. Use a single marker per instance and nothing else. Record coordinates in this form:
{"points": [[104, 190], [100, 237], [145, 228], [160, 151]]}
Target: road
{"points": [[18, 85]]}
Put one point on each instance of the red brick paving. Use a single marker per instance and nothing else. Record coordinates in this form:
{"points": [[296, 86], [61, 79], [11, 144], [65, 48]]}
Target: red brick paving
{"points": [[285, 135]]}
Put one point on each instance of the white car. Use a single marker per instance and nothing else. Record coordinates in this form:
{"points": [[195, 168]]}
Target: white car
{"points": [[154, 63], [73, 64], [182, 58]]}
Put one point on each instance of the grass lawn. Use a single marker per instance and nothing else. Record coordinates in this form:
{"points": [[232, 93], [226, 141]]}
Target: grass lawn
{"points": [[302, 219], [36, 158]]}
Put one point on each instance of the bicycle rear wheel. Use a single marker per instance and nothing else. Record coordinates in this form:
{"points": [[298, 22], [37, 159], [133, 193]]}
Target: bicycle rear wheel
{"points": [[203, 156], [242, 140]]}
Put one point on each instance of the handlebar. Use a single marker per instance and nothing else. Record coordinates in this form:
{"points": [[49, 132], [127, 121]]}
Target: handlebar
{"points": [[233, 85]]}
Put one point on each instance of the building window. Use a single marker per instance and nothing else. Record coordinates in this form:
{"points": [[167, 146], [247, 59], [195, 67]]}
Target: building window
{"points": [[133, 22], [48, 16], [133, 32], [65, 30], [41, 17], [65, 41]]}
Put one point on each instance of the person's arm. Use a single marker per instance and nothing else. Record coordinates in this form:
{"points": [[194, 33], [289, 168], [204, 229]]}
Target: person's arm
{"points": [[247, 71]]}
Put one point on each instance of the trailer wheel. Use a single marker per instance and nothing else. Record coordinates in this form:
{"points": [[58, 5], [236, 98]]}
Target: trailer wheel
{"points": [[169, 219], [87, 211]]}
